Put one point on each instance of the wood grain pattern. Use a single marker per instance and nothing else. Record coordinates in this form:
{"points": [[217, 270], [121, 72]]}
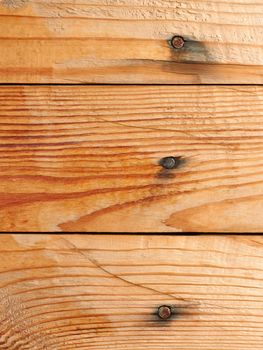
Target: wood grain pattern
{"points": [[126, 41], [86, 159], [101, 292]]}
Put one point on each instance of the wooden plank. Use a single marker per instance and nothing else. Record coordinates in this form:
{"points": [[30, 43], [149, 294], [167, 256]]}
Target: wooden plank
{"points": [[102, 292], [87, 158], [126, 41]]}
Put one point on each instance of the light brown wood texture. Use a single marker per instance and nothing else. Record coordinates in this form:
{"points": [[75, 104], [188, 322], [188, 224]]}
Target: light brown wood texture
{"points": [[65, 292], [86, 158], [126, 41]]}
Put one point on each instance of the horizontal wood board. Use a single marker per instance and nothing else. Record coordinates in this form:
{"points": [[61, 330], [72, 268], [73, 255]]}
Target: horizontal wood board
{"points": [[127, 41], [64, 292], [86, 158]]}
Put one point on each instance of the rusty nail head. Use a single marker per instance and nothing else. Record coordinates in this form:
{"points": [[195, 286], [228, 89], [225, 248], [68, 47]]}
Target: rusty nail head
{"points": [[164, 312], [177, 42], [170, 162]]}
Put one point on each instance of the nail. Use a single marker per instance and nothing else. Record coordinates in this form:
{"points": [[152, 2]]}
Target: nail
{"points": [[164, 312], [170, 162], [177, 42]]}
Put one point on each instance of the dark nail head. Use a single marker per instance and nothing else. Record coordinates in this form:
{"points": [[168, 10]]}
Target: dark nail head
{"points": [[170, 162], [164, 312], [177, 42]]}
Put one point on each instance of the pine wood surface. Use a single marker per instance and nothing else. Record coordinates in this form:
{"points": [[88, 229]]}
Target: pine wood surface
{"points": [[87, 158], [126, 41], [64, 292]]}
